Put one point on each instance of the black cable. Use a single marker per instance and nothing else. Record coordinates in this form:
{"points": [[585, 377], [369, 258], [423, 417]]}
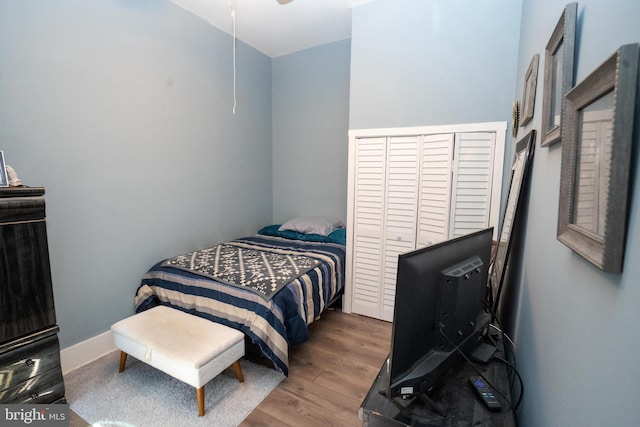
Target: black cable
{"points": [[457, 348], [512, 351], [505, 337], [512, 366], [500, 329], [512, 347]]}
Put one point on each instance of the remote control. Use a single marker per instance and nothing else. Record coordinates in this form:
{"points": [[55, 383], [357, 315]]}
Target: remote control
{"points": [[485, 393]]}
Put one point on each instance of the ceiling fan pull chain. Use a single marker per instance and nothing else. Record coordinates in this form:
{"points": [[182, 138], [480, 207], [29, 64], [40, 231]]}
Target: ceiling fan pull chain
{"points": [[233, 23]]}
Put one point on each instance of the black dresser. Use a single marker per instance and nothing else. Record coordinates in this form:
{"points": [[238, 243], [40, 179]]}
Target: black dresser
{"points": [[30, 369]]}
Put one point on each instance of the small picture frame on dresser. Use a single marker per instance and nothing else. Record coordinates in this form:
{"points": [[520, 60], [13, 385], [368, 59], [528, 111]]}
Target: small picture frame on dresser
{"points": [[4, 181]]}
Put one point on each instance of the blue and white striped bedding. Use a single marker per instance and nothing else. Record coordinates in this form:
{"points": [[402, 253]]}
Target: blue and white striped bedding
{"points": [[271, 324]]}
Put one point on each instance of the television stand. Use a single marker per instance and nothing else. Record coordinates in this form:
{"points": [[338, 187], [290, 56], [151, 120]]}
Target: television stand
{"points": [[454, 397]]}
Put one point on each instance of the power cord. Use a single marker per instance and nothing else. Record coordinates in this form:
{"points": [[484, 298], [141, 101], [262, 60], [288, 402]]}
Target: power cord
{"points": [[473, 365], [512, 365], [512, 346], [515, 371]]}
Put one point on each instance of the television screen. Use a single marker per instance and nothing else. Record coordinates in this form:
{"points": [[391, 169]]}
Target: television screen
{"points": [[440, 309]]}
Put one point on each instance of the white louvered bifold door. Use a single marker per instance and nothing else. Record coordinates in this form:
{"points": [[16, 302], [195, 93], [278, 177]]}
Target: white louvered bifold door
{"points": [[401, 209], [407, 192], [435, 189], [472, 182], [369, 193]]}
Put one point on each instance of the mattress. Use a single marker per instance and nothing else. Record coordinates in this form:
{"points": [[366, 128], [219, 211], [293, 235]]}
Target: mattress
{"points": [[273, 322]]}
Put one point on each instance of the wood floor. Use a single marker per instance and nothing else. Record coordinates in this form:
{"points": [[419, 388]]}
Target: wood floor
{"points": [[329, 375]]}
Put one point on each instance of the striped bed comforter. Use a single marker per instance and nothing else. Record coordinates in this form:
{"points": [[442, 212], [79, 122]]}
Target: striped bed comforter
{"points": [[272, 324]]}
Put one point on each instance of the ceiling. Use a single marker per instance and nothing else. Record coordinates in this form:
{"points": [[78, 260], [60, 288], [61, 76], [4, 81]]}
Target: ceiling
{"points": [[278, 27]]}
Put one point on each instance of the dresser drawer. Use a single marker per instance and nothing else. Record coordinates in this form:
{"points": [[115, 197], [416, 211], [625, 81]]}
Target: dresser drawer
{"points": [[21, 209], [26, 305], [47, 387], [28, 361]]}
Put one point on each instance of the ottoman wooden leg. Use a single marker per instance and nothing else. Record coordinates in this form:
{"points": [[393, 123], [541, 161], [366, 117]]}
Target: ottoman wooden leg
{"points": [[200, 397], [123, 360], [237, 370]]}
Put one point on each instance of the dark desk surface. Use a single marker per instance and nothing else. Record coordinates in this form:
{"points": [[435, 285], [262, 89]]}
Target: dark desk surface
{"points": [[455, 395]]}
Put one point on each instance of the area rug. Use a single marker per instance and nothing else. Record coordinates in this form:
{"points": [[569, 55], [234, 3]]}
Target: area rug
{"points": [[143, 396]]}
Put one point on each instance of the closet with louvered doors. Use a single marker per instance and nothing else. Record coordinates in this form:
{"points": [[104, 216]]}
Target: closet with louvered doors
{"points": [[407, 191]]}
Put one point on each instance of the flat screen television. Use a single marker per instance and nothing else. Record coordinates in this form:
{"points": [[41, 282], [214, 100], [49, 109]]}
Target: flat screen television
{"points": [[440, 310]]}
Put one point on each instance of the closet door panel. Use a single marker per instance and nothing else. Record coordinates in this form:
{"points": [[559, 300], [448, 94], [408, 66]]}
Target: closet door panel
{"points": [[388, 297], [368, 239], [472, 178], [400, 213], [402, 189], [435, 189]]}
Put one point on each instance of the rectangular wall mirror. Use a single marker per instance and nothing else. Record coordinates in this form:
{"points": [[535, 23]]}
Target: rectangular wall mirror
{"points": [[529, 90], [596, 161], [513, 211], [558, 74]]}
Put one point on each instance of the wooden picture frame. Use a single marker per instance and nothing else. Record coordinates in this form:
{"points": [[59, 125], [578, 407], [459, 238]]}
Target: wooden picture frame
{"points": [[558, 74], [596, 161], [4, 180], [529, 90]]}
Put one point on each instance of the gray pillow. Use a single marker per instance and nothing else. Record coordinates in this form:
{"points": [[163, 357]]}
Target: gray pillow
{"points": [[312, 224]]}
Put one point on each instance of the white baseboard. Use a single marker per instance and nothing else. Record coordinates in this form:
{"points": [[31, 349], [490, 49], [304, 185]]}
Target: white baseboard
{"points": [[86, 351]]}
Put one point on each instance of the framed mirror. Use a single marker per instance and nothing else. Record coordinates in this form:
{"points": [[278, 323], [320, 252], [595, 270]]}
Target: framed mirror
{"points": [[558, 74], [596, 161], [513, 211], [529, 91]]}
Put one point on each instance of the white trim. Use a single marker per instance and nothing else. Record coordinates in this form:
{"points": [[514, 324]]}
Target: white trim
{"points": [[86, 351], [496, 187], [348, 277], [421, 130]]}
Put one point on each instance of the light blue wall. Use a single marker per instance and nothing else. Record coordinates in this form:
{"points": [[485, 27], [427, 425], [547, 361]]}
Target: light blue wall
{"points": [[123, 111], [433, 62], [310, 125], [423, 62], [577, 330]]}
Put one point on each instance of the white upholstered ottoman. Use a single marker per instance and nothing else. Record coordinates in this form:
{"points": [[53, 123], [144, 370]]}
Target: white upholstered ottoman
{"points": [[187, 347]]}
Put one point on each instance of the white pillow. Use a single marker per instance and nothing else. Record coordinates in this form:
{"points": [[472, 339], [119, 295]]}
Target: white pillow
{"points": [[312, 225]]}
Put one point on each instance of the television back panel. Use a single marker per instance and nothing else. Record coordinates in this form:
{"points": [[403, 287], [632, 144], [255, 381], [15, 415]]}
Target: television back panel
{"points": [[461, 299], [415, 336]]}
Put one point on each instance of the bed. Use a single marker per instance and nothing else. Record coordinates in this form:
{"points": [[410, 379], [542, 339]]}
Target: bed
{"points": [[271, 286]]}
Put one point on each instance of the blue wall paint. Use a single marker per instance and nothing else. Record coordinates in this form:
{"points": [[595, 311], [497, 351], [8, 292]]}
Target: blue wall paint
{"points": [[429, 62], [310, 124], [124, 113], [577, 329]]}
